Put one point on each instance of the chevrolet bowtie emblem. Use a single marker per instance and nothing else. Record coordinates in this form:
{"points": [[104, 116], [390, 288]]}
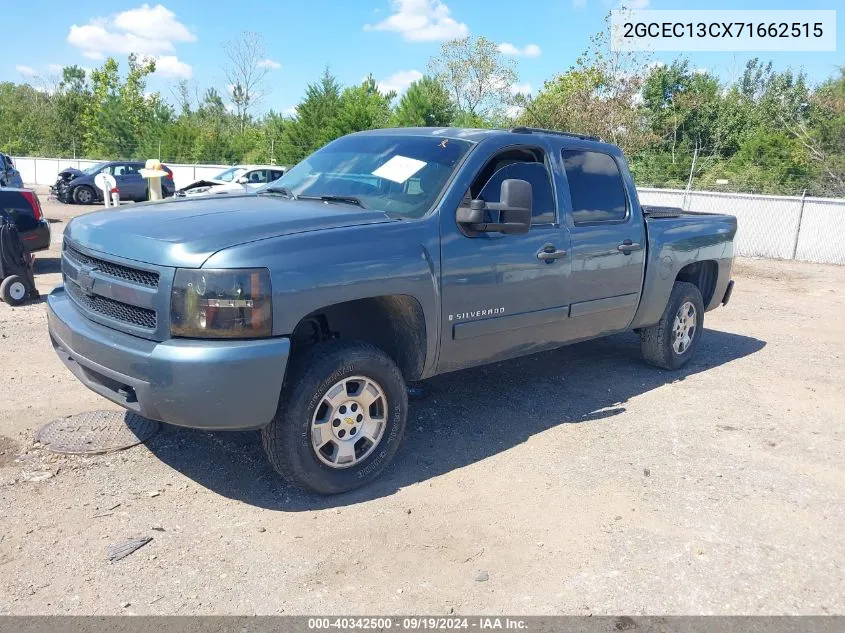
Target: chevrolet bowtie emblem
{"points": [[85, 280]]}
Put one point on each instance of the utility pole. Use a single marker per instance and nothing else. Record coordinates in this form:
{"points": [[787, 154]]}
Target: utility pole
{"points": [[159, 150], [272, 151], [689, 182]]}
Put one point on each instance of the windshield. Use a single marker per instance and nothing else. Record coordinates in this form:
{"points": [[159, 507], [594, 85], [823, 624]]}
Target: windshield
{"points": [[400, 175], [93, 169], [230, 174]]}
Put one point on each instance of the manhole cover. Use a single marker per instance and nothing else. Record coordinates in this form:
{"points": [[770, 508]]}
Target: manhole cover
{"points": [[96, 432]]}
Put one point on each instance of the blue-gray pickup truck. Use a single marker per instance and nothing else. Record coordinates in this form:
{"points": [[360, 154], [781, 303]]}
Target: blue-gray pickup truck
{"points": [[384, 258]]}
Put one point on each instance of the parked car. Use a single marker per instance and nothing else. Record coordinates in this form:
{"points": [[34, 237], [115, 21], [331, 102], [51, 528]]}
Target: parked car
{"points": [[78, 185], [24, 208], [386, 257], [9, 176], [237, 179]]}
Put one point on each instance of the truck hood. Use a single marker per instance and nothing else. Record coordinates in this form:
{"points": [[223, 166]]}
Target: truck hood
{"points": [[188, 231]]}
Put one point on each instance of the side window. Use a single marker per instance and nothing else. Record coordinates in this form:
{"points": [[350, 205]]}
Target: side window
{"points": [[521, 164], [118, 170], [258, 176], [275, 175], [596, 187], [131, 170]]}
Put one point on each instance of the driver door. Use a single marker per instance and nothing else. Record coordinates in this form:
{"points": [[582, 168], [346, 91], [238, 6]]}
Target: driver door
{"points": [[500, 296]]}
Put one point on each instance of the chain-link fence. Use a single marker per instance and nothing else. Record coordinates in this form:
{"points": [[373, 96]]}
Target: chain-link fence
{"points": [[778, 227]]}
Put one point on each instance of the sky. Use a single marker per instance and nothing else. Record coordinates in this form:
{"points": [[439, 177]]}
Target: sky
{"points": [[392, 39]]}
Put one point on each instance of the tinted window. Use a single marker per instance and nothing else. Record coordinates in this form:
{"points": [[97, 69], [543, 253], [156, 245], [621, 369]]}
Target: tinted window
{"points": [[275, 175], [14, 206], [542, 204], [595, 186]]}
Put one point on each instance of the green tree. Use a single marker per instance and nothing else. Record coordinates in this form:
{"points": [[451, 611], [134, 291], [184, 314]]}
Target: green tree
{"points": [[312, 127], [425, 104], [362, 107]]}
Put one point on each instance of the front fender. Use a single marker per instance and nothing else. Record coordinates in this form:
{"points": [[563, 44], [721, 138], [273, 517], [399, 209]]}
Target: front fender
{"points": [[316, 269]]}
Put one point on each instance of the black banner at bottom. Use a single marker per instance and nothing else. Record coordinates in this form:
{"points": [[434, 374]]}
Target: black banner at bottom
{"points": [[527, 624]]}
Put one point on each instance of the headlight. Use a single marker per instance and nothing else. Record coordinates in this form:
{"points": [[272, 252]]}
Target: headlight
{"points": [[221, 303]]}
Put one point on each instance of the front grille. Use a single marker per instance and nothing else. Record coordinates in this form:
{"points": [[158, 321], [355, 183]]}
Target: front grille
{"points": [[123, 312], [133, 275]]}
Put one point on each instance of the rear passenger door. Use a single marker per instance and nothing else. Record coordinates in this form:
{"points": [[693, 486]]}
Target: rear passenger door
{"points": [[607, 244]]}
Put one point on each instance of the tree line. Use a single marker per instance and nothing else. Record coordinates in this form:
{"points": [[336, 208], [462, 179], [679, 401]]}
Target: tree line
{"points": [[767, 131]]}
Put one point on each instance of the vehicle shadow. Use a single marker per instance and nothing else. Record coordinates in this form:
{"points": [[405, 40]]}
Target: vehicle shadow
{"points": [[463, 418]]}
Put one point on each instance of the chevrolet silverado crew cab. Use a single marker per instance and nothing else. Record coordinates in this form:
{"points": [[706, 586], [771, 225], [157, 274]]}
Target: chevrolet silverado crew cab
{"points": [[386, 257]]}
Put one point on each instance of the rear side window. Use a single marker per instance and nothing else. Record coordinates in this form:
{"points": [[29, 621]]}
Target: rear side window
{"points": [[17, 208], [595, 185]]}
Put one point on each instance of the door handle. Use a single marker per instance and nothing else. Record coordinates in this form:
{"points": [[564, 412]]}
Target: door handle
{"points": [[628, 246], [550, 253]]}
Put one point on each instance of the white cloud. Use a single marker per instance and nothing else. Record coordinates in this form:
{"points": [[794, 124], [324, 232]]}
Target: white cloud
{"points": [[421, 21], [522, 89], [530, 50], [153, 23], [145, 30], [579, 4], [55, 69], [701, 71], [26, 71], [291, 111], [635, 4], [172, 67], [269, 63], [95, 38], [399, 81]]}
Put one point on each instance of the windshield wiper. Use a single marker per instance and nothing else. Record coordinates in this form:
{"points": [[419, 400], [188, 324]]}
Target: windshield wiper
{"points": [[343, 199], [282, 190]]}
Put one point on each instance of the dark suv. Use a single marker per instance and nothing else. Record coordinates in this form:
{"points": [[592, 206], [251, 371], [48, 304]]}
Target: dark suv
{"points": [[24, 209], [77, 185]]}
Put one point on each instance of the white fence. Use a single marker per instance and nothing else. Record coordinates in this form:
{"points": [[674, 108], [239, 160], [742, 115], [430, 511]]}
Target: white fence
{"points": [[44, 171], [779, 227]]}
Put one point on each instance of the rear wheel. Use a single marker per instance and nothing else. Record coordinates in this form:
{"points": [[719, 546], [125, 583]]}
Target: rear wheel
{"points": [[672, 341], [84, 194], [13, 290], [341, 417]]}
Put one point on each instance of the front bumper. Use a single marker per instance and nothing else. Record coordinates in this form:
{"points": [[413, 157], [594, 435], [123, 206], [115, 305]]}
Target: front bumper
{"points": [[203, 384]]}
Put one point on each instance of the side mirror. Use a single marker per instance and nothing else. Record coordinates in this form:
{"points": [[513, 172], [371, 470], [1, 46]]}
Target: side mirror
{"points": [[242, 180], [514, 210]]}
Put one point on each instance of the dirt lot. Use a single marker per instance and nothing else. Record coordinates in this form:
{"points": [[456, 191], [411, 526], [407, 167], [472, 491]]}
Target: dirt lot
{"points": [[580, 481]]}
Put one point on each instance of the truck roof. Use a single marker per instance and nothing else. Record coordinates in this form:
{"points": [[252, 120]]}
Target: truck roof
{"points": [[476, 135]]}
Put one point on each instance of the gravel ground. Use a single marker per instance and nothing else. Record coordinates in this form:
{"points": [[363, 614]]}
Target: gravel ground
{"points": [[576, 481]]}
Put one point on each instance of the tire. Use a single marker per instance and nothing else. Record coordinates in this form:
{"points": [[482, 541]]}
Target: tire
{"points": [[661, 344], [14, 290], [289, 442], [84, 194]]}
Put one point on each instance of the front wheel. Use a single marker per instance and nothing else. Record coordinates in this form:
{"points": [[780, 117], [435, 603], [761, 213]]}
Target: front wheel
{"points": [[672, 341], [340, 420]]}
